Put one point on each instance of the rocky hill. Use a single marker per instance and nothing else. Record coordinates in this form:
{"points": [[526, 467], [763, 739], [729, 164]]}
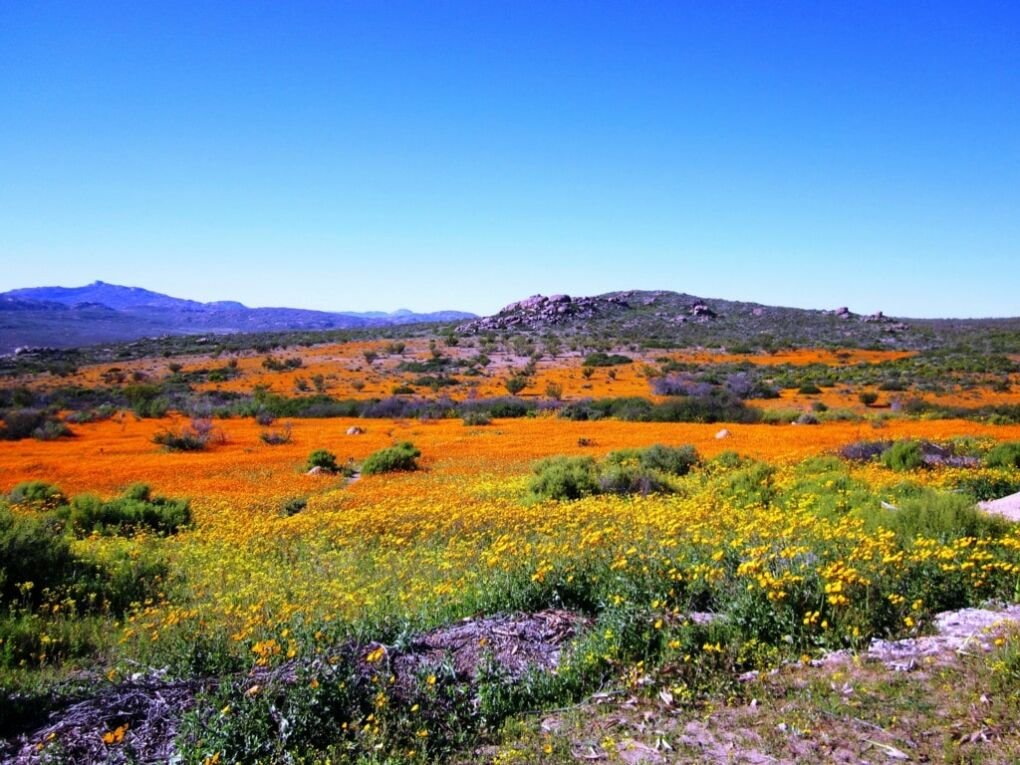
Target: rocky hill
{"points": [[676, 319]]}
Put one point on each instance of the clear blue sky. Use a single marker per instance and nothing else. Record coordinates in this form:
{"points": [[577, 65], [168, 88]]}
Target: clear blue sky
{"points": [[374, 155]]}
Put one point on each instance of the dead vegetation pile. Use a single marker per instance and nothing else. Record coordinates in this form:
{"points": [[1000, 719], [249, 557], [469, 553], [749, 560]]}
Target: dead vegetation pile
{"points": [[138, 721]]}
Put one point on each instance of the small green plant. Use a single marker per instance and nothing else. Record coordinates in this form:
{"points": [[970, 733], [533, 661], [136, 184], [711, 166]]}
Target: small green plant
{"points": [[672, 460], [195, 437], [323, 459], [32, 551], [38, 495], [868, 397], [903, 456], [134, 511], [276, 437], [403, 456], [938, 516], [564, 478], [294, 506], [477, 418], [1005, 455], [601, 359], [516, 384]]}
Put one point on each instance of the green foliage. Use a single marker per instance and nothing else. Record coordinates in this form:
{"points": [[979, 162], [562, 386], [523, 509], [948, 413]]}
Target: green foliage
{"points": [[627, 471], [939, 516], [33, 550], [1006, 455], [868, 397], [194, 437], [672, 460], [753, 484], [403, 456], [16, 424], [134, 511], [564, 478], [477, 418], [987, 485], [277, 436], [515, 384], [718, 406], [322, 458], [39, 495], [294, 506], [601, 359], [903, 456]]}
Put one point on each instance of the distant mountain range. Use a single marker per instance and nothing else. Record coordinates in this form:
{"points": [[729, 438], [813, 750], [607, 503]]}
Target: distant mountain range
{"points": [[66, 317]]}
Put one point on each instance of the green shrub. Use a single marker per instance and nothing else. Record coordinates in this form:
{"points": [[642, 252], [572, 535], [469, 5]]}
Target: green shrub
{"points": [[134, 511], [477, 418], [810, 389], [600, 359], [516, 384], [868, 398], [983, 486], [564, 478], [403, 456], [278, 436], [753, 483], [322, 458], [294, 506], [729, 460], [51, 430], [33, 550], [17, 424], [37, 494], [672, 460], [903, 456], [193, 438], [621, 478], [1005, 455], [939, 516]]}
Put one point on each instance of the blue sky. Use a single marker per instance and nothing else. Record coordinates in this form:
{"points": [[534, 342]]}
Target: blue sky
{"points": [[375, 155]]}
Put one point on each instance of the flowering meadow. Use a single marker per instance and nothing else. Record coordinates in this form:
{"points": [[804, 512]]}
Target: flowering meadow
{"points": [[289, 583]]}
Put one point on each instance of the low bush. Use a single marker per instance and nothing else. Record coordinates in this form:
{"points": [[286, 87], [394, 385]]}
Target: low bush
{"points": [[985, 485], [403, 456], [192, 438], [627, 471], [903, 456], [294, 506], [276, 437], [1005, 455], [322, 458], [134, 511], [38, 495], [477, 418], [564, 478], [34, 556], [17, 424], [672, 460], [601, 359], [942, 517]]}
